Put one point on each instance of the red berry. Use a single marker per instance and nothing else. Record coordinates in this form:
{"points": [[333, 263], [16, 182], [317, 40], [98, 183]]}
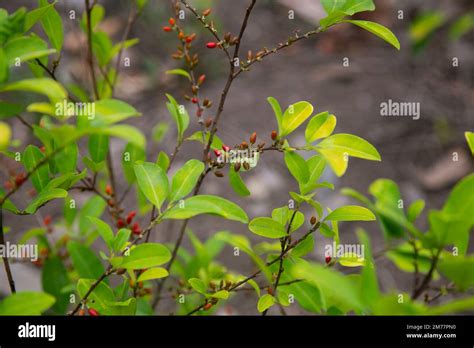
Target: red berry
{"points": [[217, 153], [93, 312], [328, 259], [47, 220], [167, 29], [253, 138], [136, 228], [207, 306], [20, 179], [225, 148], [42, 149], [120, 223], [211, 45], [190, 38], [172, 21], [206, 12], [130, 216], [274, 135], [108, 190], [194, 100]]}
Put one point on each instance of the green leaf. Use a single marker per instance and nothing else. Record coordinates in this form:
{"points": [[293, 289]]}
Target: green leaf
{"points": [[265, 302], [54, 279], [378, 30], [369, 287], [294, 116], [415, 209], [351, 213], [131, 155], [461, 26], [66, 159], [163, 161], [179, 72], [237, 183], [146, 256], [100, 297], [26, 48], [198, 285], [131, 134], [278, 113], [43, 197], [352, 145], [333, 18], [159, 131], [297, 167], [26, 303], [304, 248], [85, 262], [180, 116], [349, 7], [110, 111], [221, 294], [459, 270], [460, 202], [281, 215], [206, 204], [185, 179], [31, 159], [316, 165], [32, 17], [153, 182], [321, 126], [267, 227], [121, 239], [52, 25], [470, 140], [104, 230], [48, 87], [93, 207], [216, 142], [153, 273], [98, 146]]}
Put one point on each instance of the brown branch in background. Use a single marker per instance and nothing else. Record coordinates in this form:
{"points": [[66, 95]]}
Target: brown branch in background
{"points": [[25, 122], [90, 57], [6, 264], [268, 264]]}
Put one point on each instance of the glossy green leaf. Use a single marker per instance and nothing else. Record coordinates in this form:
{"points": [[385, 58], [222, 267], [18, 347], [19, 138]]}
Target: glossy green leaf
{"points": [[32, 157], [349, 7], [378, 30], [459, 269], [48, 87], [121, 239], [26, 303], [351, 213], [267, 227], [206, 204], [52, 26], [93, 207], [163, 161], [198, 285], [110, 111], [265, 302], [294, 116], [470, 141], [98, 146], [146, 256], [321, 126], [43, 197], [415, 209], [153, 182], [281, 215], [104, 230], [352, 145], [54, 279], [100, 298], [179, 72], [85, 261], [237, 183], [66, 159], [25, 49], [153, 273], [278, 113], [297, 167], [216, 141], [185, 179], [32, 17], [179, 114]]}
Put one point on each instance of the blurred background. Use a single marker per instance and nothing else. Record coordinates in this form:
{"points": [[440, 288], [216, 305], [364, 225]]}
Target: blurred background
{"points": [[417, 154]]}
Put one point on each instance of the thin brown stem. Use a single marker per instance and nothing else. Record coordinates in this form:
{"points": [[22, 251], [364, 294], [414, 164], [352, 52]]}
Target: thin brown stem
{"points": [[90, 57], [6, 263], [427, 279]]}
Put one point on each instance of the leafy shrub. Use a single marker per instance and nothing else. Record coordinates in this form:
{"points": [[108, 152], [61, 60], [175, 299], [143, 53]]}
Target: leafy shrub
{"points": [[128, 275]]}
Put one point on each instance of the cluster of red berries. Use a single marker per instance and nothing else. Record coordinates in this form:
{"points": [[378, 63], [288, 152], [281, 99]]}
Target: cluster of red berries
{"points": [[136, 229], [16, 180]]}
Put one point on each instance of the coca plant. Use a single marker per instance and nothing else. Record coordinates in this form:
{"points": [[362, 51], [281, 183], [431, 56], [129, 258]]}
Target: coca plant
{"points": [[101, 262]]}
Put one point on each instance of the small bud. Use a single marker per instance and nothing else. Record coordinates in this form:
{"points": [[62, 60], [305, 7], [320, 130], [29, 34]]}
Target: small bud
{"points": [[219, 174], [93, 312], [167, 29], [206, 12], [249, 55], [227, 37], [20, 179], [47, 220], [120, 271], [244, 145], [120, 223], [246, 166], [136, 228], [217, 153], [130, 216], [208, 122], [313, 220], [237, 166], [194, 100], [181, 35], [110, 202], [81, 312], [274, 135], [199, 112], [194, 89], [270, 291], [234, 40], [225, 148], [201, 79], [207, 306], [211, 45], [190, 38], [253, 138], [328, 259], [108, 190], [176, 56], [172, 21]]}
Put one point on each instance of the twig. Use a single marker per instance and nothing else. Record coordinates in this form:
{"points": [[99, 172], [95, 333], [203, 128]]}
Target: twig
{"points": [[25, 122], [90, 56], [6, 264], [426, 281]]}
